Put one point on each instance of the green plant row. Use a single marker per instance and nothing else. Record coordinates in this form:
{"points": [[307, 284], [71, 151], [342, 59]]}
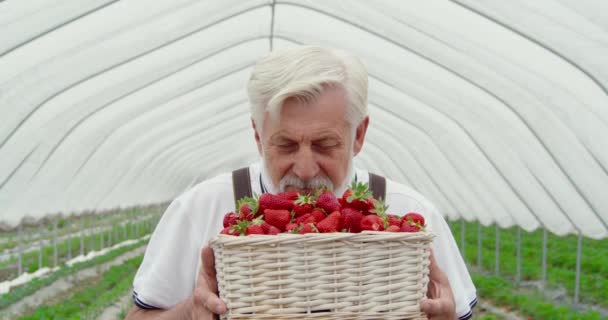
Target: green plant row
{"points": [[532, 305], [88, 302], [30, 259], [29, 288], [68, 225], [561, 259]]}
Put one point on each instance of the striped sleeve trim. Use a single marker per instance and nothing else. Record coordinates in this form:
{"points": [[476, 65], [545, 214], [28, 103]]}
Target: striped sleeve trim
{"points": [[473, 303], [469, 314], [142, 304]]}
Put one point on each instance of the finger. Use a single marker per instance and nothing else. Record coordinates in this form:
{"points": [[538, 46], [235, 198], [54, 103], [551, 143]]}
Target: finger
{"points": [[433, 266], [432, 307], [208, 262], [207, 273], [432, 290]]}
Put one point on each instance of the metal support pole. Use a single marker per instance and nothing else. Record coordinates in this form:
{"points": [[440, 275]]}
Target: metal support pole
{"points": [[55, 242], [462, 239], [124, 229], [579, 250], [69, 236], [543, 280], [91, 235], [40, 245], [101, 235], [518, 268], [497, 253], [81, 235], [479, 245], [110, 236], [20, 249]]}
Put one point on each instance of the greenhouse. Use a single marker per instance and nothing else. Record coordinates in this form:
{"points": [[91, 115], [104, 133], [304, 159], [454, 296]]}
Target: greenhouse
{"points": [[496, 112]]}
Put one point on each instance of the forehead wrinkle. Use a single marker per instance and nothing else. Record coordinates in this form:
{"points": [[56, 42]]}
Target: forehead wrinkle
{"points": [[314, 136]]}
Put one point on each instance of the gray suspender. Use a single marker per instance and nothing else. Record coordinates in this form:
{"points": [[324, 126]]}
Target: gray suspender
{"points": [[241, 184], [377, 184]]}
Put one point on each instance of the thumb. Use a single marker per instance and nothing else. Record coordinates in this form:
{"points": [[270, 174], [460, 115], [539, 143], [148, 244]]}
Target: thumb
{"points": [[207, 283]]}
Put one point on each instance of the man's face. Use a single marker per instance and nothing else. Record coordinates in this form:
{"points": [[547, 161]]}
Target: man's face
{"points": [[311, 144]]}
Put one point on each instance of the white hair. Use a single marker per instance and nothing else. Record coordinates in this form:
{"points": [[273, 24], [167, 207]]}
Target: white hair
{"points": [[303, 73]]}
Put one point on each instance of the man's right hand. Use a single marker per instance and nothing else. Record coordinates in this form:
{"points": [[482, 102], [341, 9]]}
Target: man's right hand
{"points": [[205, 302]]}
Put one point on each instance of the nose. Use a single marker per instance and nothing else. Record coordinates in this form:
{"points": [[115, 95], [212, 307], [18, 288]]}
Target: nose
{"points": [[305, 164]]}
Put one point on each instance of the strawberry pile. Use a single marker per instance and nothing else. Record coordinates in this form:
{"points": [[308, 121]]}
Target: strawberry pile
{"points": [[321, 212]]}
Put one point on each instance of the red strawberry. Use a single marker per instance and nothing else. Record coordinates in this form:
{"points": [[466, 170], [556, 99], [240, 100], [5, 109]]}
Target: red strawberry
{"points": [[351, 220], [311, 219], [254, 229], [245, 212], [290, 226], [342, 199], [328, 201], [303, 204], [371, 202], [380, 211], [393, 228], [266, 226], [331, 223], [278, 218], [394, 220], [273, 201], [229, 231], [247, 208], [242, 226], [318, 215], [409, 228], [372, 223], [357, 196], [273, 230], [308, 228], [290, 195], [414, 219], [230, 219], [302, 218]]}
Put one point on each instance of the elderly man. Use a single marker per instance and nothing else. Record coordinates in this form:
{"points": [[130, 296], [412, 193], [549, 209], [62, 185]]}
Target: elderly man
{"points": [[309, 117]]}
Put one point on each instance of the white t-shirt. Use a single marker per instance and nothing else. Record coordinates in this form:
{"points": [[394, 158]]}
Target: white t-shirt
{"points": [[168, 273]]}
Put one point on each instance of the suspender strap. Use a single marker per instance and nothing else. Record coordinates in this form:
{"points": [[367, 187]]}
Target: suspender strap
{"points": [[241, 184], [378, 186]]}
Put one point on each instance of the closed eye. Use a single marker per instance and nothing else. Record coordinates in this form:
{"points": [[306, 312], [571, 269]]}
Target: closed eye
{"points": [[327, 144]]}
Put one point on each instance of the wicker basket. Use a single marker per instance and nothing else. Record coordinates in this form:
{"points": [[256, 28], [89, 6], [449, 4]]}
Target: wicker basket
{"points": [[369, 275]]}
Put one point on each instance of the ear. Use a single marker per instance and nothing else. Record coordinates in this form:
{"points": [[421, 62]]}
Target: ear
{"points": [[360, 135], [257, 137]]}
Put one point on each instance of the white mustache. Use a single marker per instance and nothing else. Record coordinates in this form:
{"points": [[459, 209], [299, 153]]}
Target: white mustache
{"points": [[293, 181]]}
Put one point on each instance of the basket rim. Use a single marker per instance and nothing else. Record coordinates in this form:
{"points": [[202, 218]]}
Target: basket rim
{"points": [[365, 236]]}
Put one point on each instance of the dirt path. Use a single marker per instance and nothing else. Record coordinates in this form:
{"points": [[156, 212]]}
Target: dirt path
{"points": [[112, 312], [64, 284], [484, 308]]}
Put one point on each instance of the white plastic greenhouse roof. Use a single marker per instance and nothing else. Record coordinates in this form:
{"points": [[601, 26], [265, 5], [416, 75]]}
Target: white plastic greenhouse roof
{"points": [[495, 110]]}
